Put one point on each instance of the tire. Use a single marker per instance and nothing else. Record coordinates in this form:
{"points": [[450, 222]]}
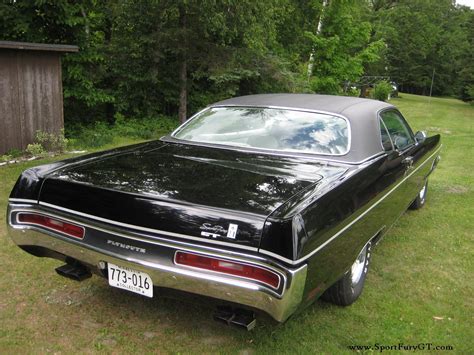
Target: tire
{"points": [[348, 289], [420, 199]]}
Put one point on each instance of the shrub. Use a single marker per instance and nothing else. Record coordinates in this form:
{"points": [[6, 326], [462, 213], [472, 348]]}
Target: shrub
{"points": [[470, 94], [93, 136], [6, 157], [51, 142], [35, 149], [101, 133], [146, 128], [14, 153], [382, 90], [353, 92]]}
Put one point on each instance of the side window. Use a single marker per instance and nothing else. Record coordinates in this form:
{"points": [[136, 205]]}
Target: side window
{"points": [[398, 130], [386, 142]]}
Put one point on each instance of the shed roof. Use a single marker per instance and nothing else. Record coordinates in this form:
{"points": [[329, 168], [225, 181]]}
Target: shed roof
{"points": [[38, 46]]}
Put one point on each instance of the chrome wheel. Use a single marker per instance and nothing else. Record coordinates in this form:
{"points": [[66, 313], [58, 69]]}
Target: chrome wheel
{"points": [[349, 287], [420, 199], [422, 192], [357, 269]]}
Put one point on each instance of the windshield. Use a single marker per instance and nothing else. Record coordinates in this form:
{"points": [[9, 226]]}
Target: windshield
{"points": [[269, 128]]}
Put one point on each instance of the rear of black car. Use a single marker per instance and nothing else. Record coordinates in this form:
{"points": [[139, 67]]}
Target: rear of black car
{"points": [[140, 233]]}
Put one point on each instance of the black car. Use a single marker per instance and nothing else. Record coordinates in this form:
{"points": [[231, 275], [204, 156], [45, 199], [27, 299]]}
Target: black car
{"points": [[264, 201]]}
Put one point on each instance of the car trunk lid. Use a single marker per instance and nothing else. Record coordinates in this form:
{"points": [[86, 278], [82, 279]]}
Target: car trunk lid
{"points": [[214, 195]]}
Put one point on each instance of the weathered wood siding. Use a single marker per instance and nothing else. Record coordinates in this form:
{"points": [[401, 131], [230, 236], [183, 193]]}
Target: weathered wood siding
{"points": [[31, 97]]}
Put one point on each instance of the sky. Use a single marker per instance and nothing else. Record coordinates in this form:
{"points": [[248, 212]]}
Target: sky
{"points": [[469, 3]]}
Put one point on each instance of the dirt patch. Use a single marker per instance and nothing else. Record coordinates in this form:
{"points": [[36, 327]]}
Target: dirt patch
{"points": [[90, 325], [214, 340], [105, 341], [246, 352], [66, 297], [149, 335], [457, 189], [438, 130]]}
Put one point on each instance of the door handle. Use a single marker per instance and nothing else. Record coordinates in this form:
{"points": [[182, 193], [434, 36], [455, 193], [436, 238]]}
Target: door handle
{"points": [[408, 162]]}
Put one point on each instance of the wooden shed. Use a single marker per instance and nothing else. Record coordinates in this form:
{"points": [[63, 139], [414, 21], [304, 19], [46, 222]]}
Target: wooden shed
{"points": [[31, 94]]}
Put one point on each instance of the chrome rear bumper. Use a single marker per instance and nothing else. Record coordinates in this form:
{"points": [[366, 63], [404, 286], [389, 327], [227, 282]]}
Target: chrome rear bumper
{"points": [[158, 261]]}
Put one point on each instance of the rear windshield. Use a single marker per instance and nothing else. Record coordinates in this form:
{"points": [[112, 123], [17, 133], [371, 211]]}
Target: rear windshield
{"points": [[269, 128]]}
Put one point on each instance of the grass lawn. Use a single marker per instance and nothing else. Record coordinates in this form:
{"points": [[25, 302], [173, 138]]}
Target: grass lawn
{"points": [[419, 288]]}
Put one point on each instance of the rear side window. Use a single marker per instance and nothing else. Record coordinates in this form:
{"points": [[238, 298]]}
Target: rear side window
{"points": [[398, 130]]}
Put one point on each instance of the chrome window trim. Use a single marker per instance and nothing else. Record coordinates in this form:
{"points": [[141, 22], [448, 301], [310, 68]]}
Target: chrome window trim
{"points": [[349, 129], [381, 122], [350, 224], [316, 158], [404, 121]]}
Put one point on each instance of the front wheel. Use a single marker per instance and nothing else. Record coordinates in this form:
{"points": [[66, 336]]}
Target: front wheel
{"points": [[348, 289], [420, 198]]}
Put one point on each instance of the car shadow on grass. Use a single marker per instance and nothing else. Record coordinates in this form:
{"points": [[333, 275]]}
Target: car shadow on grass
{"points": [[172, 313]]}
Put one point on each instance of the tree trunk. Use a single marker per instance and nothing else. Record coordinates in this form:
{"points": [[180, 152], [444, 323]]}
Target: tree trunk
{"points": [[183, 71], [183, 91], [318, 31], [86, 22]]}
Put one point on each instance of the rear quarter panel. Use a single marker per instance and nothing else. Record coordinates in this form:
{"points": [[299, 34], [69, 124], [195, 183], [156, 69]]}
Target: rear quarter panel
{"points": [[360, 207]]}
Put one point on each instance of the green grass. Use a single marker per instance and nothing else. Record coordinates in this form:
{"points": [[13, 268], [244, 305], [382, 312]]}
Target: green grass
{"points": [[422, 269]]}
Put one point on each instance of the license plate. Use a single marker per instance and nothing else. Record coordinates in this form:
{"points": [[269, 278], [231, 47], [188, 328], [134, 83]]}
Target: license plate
{"points": [[130, 280]]}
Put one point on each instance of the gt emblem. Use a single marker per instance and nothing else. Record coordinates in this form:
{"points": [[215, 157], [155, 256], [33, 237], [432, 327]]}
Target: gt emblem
{"points": [[216, 231], [232, 230]]}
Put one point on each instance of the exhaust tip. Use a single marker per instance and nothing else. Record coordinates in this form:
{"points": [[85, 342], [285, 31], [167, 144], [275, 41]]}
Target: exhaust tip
{"points": [[76, 272], [241, 318]]}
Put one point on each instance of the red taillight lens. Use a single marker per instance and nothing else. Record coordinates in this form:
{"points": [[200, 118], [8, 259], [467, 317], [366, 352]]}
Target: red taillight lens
{"points": [[228, 267], [52, 223]]}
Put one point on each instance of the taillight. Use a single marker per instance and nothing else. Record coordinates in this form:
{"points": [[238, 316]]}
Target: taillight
{"points": [[253, 272], [51, 223]]}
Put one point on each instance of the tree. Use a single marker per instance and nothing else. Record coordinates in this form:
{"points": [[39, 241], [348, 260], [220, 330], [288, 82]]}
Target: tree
{"points": [[187, 53], [343, 47], [149, 58], [425, 36], [465, 74]]}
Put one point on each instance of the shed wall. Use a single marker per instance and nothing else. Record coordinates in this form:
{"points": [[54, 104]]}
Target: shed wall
{"points": [[31, 97]]}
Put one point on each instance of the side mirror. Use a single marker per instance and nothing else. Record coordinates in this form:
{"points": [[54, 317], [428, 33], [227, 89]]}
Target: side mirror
{"points": [[420, 136]]}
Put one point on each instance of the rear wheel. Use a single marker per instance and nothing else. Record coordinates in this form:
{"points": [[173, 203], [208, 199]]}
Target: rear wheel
{"points": [[420, 198], [348, 289]]}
